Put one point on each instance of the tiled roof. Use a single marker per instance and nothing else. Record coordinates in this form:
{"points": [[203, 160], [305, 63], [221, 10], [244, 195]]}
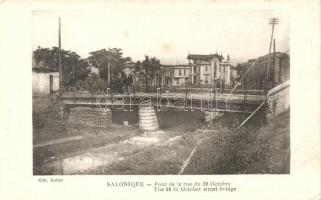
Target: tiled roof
{"points": [[270, 55], [277, 54], [204, 57], [225, 64], [175, 66]]}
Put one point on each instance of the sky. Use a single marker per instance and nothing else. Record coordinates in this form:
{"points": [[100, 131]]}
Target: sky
{"points": [[164, 32]]}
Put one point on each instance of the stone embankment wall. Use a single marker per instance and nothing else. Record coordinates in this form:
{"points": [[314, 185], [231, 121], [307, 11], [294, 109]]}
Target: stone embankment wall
{"points": [[89, 117], [278, 100]]}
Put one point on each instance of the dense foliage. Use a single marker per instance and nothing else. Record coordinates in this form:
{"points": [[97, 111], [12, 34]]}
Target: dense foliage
{"points": [[47, 59], [113, 57], [91, 74], [149, 71]]}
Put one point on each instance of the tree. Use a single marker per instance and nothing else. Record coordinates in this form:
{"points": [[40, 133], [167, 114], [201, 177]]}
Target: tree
{"points": [[112, 57], [46, 59], [149, 70], [94, 84], [138, 66]]}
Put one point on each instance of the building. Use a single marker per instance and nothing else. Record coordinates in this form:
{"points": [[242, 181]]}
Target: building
{"points": [[235, 75], [209, 69], [267, 71], [44, 83], [225, 71], [45, 80], [175, 75]]}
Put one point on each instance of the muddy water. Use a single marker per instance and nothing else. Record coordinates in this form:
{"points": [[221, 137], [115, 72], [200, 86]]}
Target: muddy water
{"points": [[170, 121], [105, 155]]}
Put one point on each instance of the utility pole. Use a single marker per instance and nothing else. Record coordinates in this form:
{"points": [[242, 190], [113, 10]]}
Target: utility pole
{"points": [[60, 71], [274, 63], [215, 104], [109, 57], [108, 72], [74, 82], [59, 60], [273, 21], [73, 75]]}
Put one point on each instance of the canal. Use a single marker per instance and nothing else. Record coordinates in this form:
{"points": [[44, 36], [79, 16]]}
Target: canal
{"points": [[108, 144]]}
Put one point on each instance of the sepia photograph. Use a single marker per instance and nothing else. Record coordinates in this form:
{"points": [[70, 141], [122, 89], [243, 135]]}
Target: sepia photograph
{"points": [[147, 99], [135, 92]]}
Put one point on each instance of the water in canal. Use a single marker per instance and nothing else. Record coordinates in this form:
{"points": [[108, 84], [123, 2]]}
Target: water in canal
{"points": [[188, 120]]}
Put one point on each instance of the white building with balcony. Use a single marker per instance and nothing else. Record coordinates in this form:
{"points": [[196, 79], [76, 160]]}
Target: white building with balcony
{"points": [[175, 75], [209, 69]]}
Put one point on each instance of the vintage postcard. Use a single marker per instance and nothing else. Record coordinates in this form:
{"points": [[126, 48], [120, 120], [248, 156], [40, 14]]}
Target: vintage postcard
{"points": [[179, 99]]}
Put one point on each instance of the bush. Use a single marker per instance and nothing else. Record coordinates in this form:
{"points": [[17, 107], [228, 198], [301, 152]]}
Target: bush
{"points": [[228, 152], [117, 86]]}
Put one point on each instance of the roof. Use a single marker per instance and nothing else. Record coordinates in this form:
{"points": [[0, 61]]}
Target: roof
{"points": [[204, 57], [175, 66], [270, 55], [277, 54], [224, 64]]}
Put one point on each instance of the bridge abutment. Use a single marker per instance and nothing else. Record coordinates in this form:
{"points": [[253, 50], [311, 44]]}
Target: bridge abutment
{"points": [[147, 118], [84, 117]]}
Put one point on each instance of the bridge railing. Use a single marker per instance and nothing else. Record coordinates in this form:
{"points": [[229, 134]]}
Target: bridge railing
{"points": [[190, 89]]}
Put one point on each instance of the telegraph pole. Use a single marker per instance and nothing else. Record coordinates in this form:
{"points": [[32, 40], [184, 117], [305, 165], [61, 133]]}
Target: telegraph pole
{"points": [[274, 62], [109, 58], [273, 21], [108, 73], [59, 60]]}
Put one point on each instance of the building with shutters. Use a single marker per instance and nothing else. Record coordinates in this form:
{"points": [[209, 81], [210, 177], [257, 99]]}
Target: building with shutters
{"points": [[209, 69]]}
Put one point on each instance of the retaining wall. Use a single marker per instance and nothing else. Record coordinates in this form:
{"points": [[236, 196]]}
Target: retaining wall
{"points": [[278, 100]]}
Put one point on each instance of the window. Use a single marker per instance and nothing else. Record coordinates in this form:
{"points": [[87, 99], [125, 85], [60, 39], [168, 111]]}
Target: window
{"points": [[206, 68], [180, 72], [184, 72], [206, 79]]}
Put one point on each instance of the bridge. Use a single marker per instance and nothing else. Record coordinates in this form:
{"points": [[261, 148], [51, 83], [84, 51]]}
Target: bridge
{"points": [[146, 104], [179, 101]]}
